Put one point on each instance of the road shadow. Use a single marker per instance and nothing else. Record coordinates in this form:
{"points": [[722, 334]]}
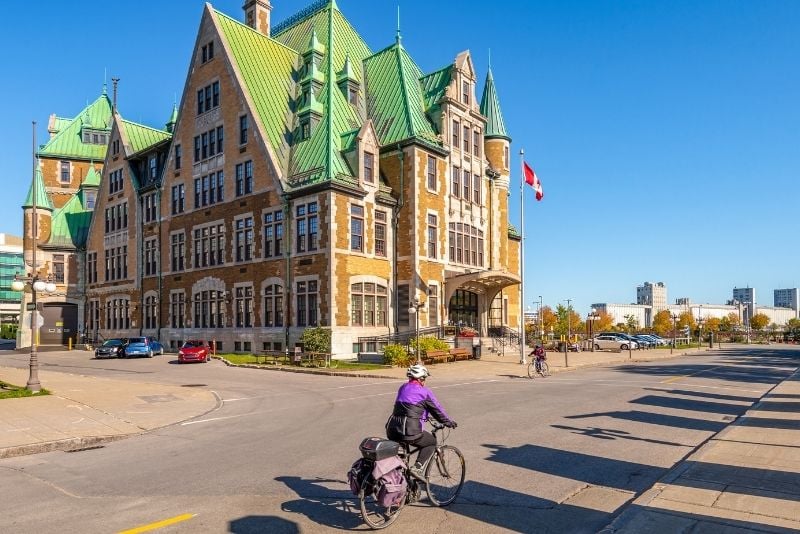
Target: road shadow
{"points": [[661, 419], [334, 508], [744, 480], [677, 403], [258, 524], [613, 434], [704, 394], [649, 519]]}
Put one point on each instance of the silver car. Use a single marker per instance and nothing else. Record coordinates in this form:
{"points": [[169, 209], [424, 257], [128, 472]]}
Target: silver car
{"points": [[613, 342]]}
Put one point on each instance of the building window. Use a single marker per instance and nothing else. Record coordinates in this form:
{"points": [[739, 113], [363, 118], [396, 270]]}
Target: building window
{"points": [[178, 197], [456, 129], [150, 312], [150, 208], [466, 185], [352, 95], [65, 172], [466, 139], [273, 305], [208, 52], [58, 268], [153, 165], [476, 189], [209, 246], [380, 233], [369, 304], [91, 267], [357, 228], [369, 167], [456, 186], [178, 156], [273, 234], [116, 263], [244, 307], [433, 305], [465, 92], [307, 303], [209, 309], [208, 98], [505, 157], [151, 257], [209, 189], [114, 181], [476, 142], [466, 244], [115, 147], [244, 178], [432, 231], [209, 144], [431, 173], [307, 227], [305, 130], [118, 314], [243, 126], [178, 251], [244, 239], [177, 304], [91, 198]]}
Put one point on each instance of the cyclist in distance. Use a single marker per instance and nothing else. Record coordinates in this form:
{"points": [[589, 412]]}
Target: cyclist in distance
{"points": [[413, 406]]}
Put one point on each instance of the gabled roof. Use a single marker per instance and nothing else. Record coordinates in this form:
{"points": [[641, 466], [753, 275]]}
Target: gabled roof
{"points": [[141, 137], [42, 199], [490, 108], [70, 224], [68, 142], [394, 97], [92, 178], [434, 86]]}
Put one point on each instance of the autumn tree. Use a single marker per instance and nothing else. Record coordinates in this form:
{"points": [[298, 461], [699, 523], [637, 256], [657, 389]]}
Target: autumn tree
{"points": [[662, 323], [576, 325], [603, 322], [686, 319], [631, 323], [759, 321], [713, 324], [793, 327], [549, 319]]}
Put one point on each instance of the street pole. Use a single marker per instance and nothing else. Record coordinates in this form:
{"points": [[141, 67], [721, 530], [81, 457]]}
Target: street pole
{"points": [[33, 384], [569, 334], [541, 323]]}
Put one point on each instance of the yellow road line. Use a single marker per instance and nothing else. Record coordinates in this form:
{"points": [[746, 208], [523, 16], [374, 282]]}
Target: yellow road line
{"points": [[159, 524], [676, 378]]}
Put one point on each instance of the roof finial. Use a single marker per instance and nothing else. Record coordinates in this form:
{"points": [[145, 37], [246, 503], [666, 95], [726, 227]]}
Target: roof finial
{"points": [[490, 59], [105, 77], [399, 37]]}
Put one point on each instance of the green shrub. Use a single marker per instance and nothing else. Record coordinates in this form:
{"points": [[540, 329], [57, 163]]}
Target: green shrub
{"points": [[430, 343], [316, 340], [396, 355]]}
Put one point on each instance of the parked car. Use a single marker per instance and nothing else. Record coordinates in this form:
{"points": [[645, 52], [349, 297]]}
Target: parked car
{"points": [[659, 341], [194, 350], [143, 346], [644, 341], [612, 341], [111, 348]]}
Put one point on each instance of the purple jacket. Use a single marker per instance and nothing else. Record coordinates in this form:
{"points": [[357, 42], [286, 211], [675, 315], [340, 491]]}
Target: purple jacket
{"points": [[414, 405]]}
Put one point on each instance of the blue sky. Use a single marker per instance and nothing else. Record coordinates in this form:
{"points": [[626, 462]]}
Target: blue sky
{"points": [[665, 133]]}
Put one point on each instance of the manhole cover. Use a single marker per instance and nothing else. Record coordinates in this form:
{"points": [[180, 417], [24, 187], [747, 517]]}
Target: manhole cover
{"points": [[193, 385]]}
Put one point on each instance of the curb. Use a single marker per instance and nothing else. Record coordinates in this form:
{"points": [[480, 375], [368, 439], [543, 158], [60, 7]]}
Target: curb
{"points": [[67, 445], [301, 370]]}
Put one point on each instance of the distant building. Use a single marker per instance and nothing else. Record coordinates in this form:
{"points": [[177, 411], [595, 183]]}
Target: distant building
{"points": [[11, 263], [777, 316], [787, 298], [747, 297], [620, 312], [683, 301], [652, 294]]}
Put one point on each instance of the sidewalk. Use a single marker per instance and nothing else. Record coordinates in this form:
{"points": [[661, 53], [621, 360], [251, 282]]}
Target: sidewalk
{"points": [[83, 411], [745, 479]]}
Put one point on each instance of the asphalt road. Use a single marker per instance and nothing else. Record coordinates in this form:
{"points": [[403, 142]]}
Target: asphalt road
{"points": [[557, 455]]}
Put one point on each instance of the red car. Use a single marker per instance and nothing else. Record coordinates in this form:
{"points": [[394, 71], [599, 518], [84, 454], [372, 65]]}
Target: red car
{"points": [[194, 350]]}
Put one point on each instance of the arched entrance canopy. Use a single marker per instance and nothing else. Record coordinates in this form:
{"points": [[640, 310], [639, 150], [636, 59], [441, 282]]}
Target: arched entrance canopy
{"points": [[486, 283]]}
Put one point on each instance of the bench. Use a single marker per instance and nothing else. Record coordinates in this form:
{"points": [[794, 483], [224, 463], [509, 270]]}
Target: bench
{"points": [[436, 356], [272, 357], [460, 354]]}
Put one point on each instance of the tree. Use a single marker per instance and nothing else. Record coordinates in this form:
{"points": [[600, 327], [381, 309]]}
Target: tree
{"points": [[793, 327], [549, 319], [575, 323], [686, 319], [713, 324], [729, 322], [631, 323], [759, 321], [604, 322], [316, 340], [662, 323]]}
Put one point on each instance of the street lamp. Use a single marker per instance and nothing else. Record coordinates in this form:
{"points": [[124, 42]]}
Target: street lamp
{"points": [[37, 285], [674, 319], [569, 334], [590, 319], [413, 309], [541, 322]]}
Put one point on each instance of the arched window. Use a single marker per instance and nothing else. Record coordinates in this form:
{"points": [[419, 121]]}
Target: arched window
{"points": [[369, 304], [273, 305]]}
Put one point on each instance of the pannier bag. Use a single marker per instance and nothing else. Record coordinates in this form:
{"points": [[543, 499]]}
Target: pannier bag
{"points": [[378, 448], [359, 472], [390, 483]]}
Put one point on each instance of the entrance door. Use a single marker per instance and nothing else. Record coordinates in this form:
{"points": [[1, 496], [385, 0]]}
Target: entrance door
{"points": [[463, 309], [60, 323]]}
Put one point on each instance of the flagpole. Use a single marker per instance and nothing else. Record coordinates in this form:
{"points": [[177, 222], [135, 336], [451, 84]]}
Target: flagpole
{"points": [[522, 258]]}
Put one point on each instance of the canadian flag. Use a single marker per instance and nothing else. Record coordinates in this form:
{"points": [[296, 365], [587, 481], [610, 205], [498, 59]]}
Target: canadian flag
{"points": [[532, 180]]}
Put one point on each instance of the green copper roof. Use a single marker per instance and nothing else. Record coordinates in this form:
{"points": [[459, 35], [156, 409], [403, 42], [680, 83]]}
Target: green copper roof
{"points": [[434, 85], [512, 231], [42, 200], [266, 67], [347, 72], [169, 126], [70, 224], [141, 137], [314, 45], [92, 178], [490, 108], [394, 97], [68, 142]]}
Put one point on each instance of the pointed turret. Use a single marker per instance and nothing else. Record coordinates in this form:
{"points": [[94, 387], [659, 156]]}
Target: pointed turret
{"points": [[43, 210], [490, 108], [173, 118], [41, 198]]}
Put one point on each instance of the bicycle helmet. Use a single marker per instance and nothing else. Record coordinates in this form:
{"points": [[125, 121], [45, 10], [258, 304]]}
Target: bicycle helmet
{"points": [[418, 371]]}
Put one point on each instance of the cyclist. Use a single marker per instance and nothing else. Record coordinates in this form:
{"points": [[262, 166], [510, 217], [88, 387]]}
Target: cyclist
{"points": [[413, 406], [539, 354]]}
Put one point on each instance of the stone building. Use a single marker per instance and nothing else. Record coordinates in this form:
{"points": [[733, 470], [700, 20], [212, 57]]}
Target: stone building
{"points": [[309, 180]]}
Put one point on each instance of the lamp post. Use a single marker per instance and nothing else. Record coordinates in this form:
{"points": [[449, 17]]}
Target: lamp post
{"points": [[541, 322], [569, 334], [590, 319], [674, 319], [36, 284], [413, 309]]}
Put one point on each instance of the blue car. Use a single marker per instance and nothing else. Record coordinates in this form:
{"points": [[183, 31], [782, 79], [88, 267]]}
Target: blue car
{"points": [[143, 346]]}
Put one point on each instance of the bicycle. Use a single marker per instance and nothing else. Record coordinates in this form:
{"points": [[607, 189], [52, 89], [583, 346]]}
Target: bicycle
{"points": [[538, 365], [444, 478]]}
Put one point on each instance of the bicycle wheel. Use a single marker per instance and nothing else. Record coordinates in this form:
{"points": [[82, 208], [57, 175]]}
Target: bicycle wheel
{"points": [[532, 370], [375, 515], [445, 475], [544, 369]]}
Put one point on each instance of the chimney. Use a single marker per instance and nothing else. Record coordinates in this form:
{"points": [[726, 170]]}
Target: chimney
{"points": [[256, 15]]}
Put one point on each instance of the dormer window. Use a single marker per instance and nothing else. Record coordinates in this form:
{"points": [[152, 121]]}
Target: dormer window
{"points": [[94, 137], [369, 167], [465, 92], [305, 130], [352, 95]]}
